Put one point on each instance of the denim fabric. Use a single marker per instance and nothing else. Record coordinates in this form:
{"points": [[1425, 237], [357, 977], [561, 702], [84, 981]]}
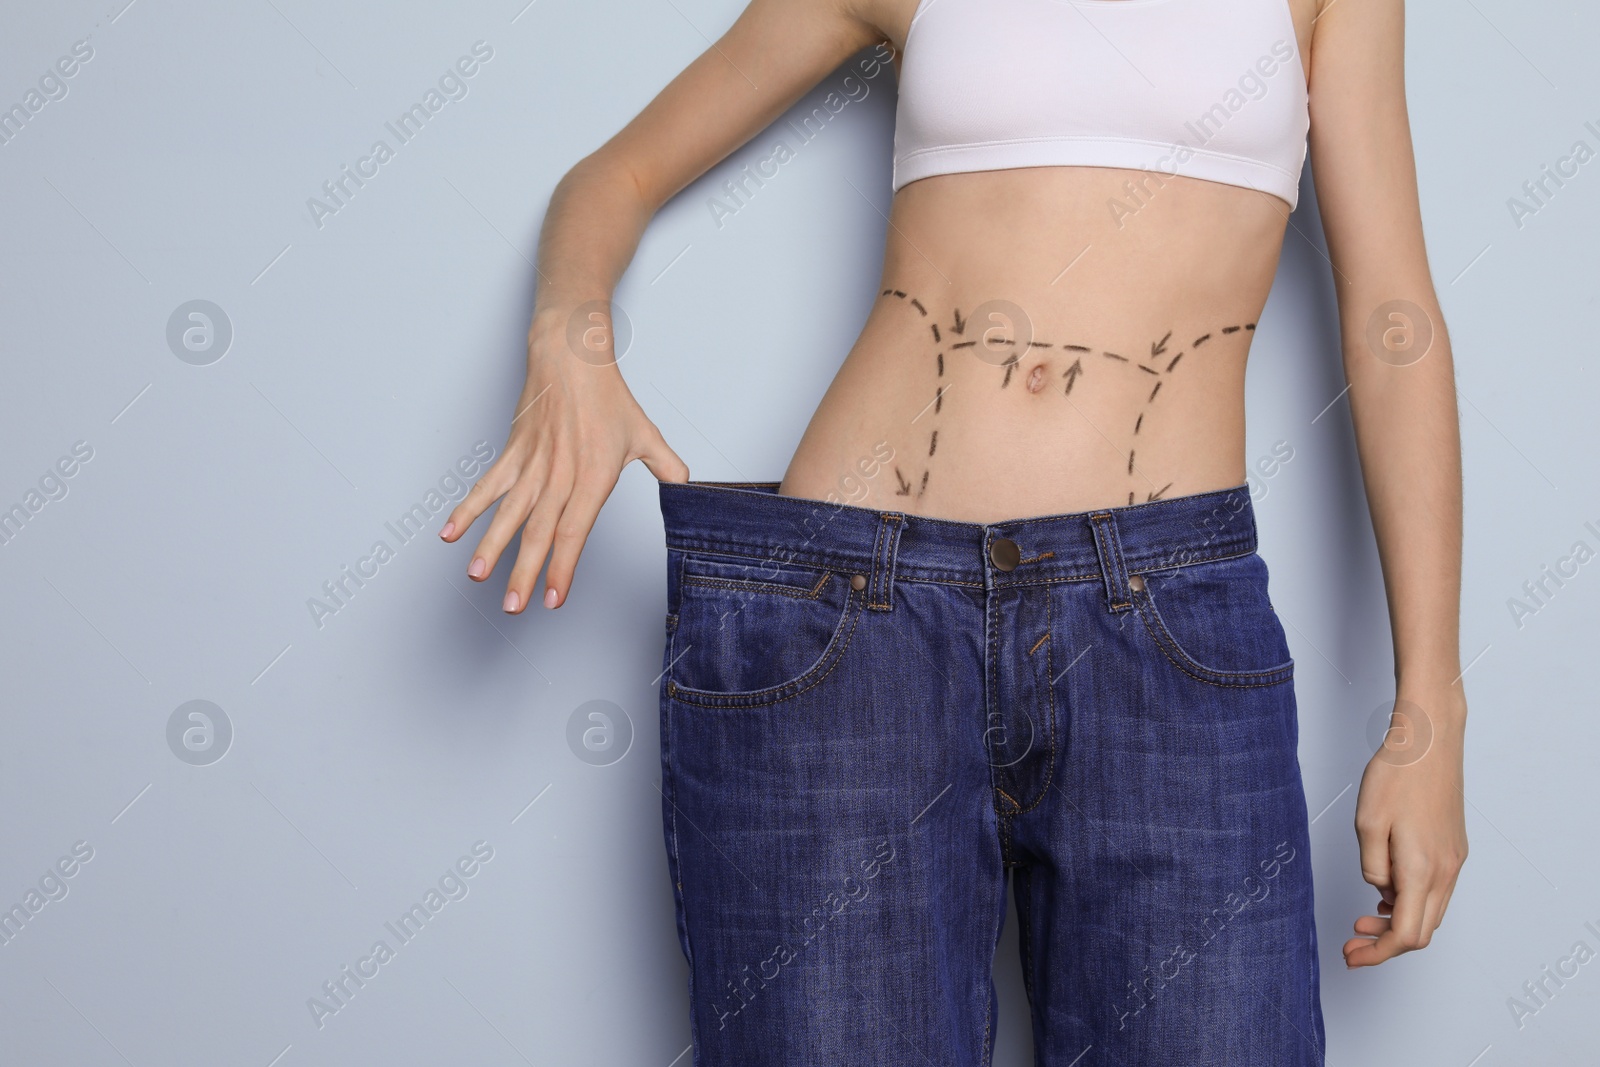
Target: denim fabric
{"points": [[867, 723]]}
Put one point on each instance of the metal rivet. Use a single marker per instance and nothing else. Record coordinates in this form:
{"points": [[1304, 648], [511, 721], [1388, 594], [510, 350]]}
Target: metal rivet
{"points": [[858, 582], [1135, 582], [1004, 553]]}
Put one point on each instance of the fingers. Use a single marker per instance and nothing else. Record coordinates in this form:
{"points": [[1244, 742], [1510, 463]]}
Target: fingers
{"points": [[1371, 925], [564, 516], [555, 507], [513, 509], [536, 535], [1376, 867], [572, 530], [495, 481], [1404, 926]]}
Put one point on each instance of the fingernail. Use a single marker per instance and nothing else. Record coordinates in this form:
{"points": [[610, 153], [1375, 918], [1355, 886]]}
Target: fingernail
{"points": [[550, 596], [477, 568], [449, 528], [513, 601]]}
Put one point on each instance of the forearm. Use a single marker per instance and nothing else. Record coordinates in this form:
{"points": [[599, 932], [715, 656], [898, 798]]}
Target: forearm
{"points": [[591, 230], [1408, 438]]}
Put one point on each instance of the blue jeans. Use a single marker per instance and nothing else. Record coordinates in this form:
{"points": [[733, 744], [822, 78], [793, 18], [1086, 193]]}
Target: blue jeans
{"points": [[868, 718]]}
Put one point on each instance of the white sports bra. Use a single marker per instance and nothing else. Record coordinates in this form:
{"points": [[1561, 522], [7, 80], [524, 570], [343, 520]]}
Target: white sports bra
{"points": [[1210, 89]]}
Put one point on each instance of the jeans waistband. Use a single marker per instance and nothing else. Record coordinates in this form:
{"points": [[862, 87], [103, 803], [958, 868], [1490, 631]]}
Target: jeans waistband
{"points": [[750, 520]]}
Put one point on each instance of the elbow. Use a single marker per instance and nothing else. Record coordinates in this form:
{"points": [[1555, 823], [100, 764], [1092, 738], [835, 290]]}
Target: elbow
{"points": [[609, 175]]}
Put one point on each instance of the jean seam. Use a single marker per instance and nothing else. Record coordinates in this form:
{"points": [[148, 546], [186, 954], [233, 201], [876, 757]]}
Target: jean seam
{"points": [[677, 876], [760, 588], [832, 657], [1050, 697], [1198, 671]]}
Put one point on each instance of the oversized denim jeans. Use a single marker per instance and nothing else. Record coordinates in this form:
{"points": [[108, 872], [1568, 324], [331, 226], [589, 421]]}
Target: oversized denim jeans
{"points": [[868, 718]]}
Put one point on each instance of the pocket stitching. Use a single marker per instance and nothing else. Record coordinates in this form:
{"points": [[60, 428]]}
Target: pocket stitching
{"points": [[1169, 646], [831, 657], [776, 588]]}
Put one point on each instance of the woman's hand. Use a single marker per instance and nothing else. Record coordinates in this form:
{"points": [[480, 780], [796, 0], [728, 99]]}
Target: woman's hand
{"points": [[575, 427], [1411, 827]]}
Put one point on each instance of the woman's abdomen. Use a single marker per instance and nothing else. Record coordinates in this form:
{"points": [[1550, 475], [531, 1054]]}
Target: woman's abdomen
{"points": [[1033, 352]]}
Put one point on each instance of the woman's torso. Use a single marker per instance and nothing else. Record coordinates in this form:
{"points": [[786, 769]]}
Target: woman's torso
{"points": [[1050, 339]]}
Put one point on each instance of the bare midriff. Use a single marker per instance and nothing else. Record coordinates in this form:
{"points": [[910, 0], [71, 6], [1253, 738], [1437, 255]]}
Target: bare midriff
{"points": [[1049, 340]]}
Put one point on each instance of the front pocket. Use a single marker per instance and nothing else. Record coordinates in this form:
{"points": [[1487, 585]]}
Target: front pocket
{"points": [[1215, 622], [751, 632]]}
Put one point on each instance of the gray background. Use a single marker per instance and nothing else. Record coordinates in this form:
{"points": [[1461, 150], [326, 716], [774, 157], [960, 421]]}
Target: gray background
{"points": [[371, 353]]}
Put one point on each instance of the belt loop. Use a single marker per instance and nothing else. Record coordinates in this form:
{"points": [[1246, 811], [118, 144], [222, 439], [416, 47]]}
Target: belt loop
{"points": [[880, 591], [1112, 568]]}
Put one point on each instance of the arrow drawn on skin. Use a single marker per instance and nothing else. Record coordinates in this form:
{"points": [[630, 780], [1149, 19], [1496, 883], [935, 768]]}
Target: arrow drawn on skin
{"points": [[1072, 373]]}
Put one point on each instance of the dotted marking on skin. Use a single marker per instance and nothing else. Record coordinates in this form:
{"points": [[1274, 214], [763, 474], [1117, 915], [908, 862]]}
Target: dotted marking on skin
{"points": [[938, 397], [1036, 379], [1157, 349]]}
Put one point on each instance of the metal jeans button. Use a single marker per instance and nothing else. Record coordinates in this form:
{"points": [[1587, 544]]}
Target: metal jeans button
{"points": [[1004, 553], [858, 582]]}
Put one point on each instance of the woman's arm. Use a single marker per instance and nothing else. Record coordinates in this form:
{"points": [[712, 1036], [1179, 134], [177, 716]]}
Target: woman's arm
{"points": [[1409, 817], [576, 425]]}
